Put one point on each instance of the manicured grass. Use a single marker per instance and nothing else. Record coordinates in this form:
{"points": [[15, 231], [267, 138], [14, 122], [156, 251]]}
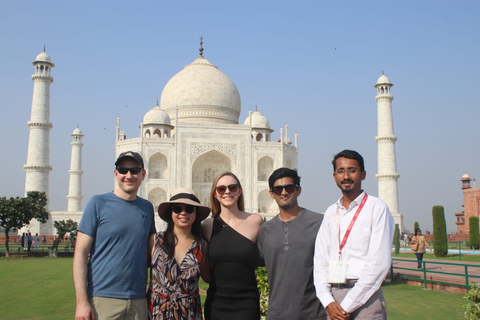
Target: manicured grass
{"points": [[36, 288], [42, 288], [409, 302]]}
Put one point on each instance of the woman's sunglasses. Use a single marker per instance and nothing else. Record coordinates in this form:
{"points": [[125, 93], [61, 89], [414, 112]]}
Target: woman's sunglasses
{"points": [[178, 208], [221, 189], [289, 188]]}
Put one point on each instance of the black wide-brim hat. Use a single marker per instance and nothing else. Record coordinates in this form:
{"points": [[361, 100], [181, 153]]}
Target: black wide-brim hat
{"points": [[183, 196]]}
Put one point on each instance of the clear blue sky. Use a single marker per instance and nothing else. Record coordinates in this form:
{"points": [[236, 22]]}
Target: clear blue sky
{"points": [[311, 64]]}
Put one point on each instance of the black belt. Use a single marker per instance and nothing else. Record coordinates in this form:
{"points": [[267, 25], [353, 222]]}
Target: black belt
{"points": [[349, 284]]}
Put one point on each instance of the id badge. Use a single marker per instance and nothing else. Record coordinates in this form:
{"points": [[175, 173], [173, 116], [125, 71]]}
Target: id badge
{"points": [[337, 272]]}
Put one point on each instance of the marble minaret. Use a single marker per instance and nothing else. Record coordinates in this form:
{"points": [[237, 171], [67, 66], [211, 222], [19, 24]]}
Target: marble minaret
{"points": [[38, 165], [387, 168], [75, 187]]}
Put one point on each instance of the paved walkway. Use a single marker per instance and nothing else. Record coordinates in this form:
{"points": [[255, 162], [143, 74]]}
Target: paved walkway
{"points": [[455, 270]]}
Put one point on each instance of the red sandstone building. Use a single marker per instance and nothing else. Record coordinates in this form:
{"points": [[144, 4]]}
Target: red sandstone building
{"points": [[471, 205]]}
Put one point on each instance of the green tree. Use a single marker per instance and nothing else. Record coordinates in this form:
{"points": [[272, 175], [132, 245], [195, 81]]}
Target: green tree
{"points": [[15, 213], [396, 239], [415, 227], [473, 237], [63, 227], [440, 243]]}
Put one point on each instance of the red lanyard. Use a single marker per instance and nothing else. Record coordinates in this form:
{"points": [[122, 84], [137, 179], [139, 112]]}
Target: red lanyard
{"points": [[347, 233]]}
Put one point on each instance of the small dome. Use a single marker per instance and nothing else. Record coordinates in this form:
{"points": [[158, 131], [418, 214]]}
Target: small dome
{"points": [[465, 177], [77, 132], [156, 116], [383, 79], [43, 57], [258, 120]]}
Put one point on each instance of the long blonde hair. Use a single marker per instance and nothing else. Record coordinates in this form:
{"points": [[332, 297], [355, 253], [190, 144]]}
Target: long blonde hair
{"points": [[216, 207]]}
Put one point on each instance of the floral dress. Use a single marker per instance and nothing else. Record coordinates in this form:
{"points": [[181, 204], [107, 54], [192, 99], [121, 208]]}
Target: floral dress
{"points": [[173, 292]]}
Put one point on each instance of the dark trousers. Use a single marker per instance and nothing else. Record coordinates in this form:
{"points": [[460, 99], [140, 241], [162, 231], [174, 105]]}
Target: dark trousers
{"points": [[419, 259]]}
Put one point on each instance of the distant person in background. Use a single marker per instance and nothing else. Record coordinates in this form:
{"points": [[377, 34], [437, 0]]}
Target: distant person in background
{"points": [[422, 243], [66, 244], [23, 241], [36, 242], [30, 240], [72, 242]]}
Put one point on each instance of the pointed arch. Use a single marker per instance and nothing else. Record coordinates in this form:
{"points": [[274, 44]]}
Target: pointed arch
{"points": [[204, 170], [265, 168], [158, 166], [156, 196], [265, 203]]}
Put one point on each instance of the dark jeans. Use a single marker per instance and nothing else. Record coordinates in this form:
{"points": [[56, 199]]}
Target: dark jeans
{"points": [[419, 258]]}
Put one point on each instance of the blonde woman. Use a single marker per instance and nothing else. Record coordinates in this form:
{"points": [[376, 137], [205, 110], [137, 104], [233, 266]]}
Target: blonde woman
{"points": [[233, 253]]}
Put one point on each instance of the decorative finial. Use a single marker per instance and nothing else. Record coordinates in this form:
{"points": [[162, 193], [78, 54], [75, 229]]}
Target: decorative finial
{"points": [[256, 109], [44, 48], [382, 72], [157, 102], [201, 46]]}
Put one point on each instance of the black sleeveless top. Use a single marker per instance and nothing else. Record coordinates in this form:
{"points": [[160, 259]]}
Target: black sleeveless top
{"points": [[233, 292]]}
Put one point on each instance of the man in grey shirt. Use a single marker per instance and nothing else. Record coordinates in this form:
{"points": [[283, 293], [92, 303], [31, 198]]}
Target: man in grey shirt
{"points": [[286, 246]]}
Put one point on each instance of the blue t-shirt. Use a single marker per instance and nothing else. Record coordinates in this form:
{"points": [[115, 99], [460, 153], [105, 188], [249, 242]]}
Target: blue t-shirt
{"points": [[120, 229]]}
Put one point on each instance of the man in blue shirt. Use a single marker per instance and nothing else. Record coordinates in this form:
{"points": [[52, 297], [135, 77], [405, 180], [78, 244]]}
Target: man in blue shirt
{"points": [[110, 261]]}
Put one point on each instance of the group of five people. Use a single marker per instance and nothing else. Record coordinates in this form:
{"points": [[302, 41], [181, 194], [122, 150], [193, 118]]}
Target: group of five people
{"points": [[319, 266]]}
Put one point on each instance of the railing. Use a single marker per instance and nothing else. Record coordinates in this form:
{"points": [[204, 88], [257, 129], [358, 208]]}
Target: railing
{"points": [[424, 271], [17, 250], [453, 246]]}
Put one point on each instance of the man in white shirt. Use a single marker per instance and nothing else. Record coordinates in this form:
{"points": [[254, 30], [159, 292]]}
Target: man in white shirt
{"points": [[353, 246]]}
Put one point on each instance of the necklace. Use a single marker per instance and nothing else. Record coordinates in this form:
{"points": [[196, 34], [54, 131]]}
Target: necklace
{"points": [[223, 223]]}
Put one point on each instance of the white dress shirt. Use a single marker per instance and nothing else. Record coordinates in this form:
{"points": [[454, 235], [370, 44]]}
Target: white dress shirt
{"points": [[367, 251]]}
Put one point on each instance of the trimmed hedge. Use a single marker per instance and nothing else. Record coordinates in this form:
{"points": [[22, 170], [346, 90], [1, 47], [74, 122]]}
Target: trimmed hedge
{"points": [[396, 239], [440, 242], [473, 238]]}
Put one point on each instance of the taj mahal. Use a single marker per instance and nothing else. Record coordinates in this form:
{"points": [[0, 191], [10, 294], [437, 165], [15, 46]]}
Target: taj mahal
{"points": [[189, 137]]}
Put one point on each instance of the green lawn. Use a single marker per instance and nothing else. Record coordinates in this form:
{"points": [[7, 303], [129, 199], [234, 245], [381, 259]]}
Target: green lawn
{"points": [[42, 288], [409, 302], [36, 288]]}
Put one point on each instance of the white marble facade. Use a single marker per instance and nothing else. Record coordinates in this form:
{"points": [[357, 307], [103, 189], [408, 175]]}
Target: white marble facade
{"points": [[194, 135]]}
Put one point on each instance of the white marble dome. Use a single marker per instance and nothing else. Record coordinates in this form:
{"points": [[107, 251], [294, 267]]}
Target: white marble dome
{"points": [[201, 93], [383, 79], [258, 120], [156, 116], [465, 177], [77, 132], [43, 57]]}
